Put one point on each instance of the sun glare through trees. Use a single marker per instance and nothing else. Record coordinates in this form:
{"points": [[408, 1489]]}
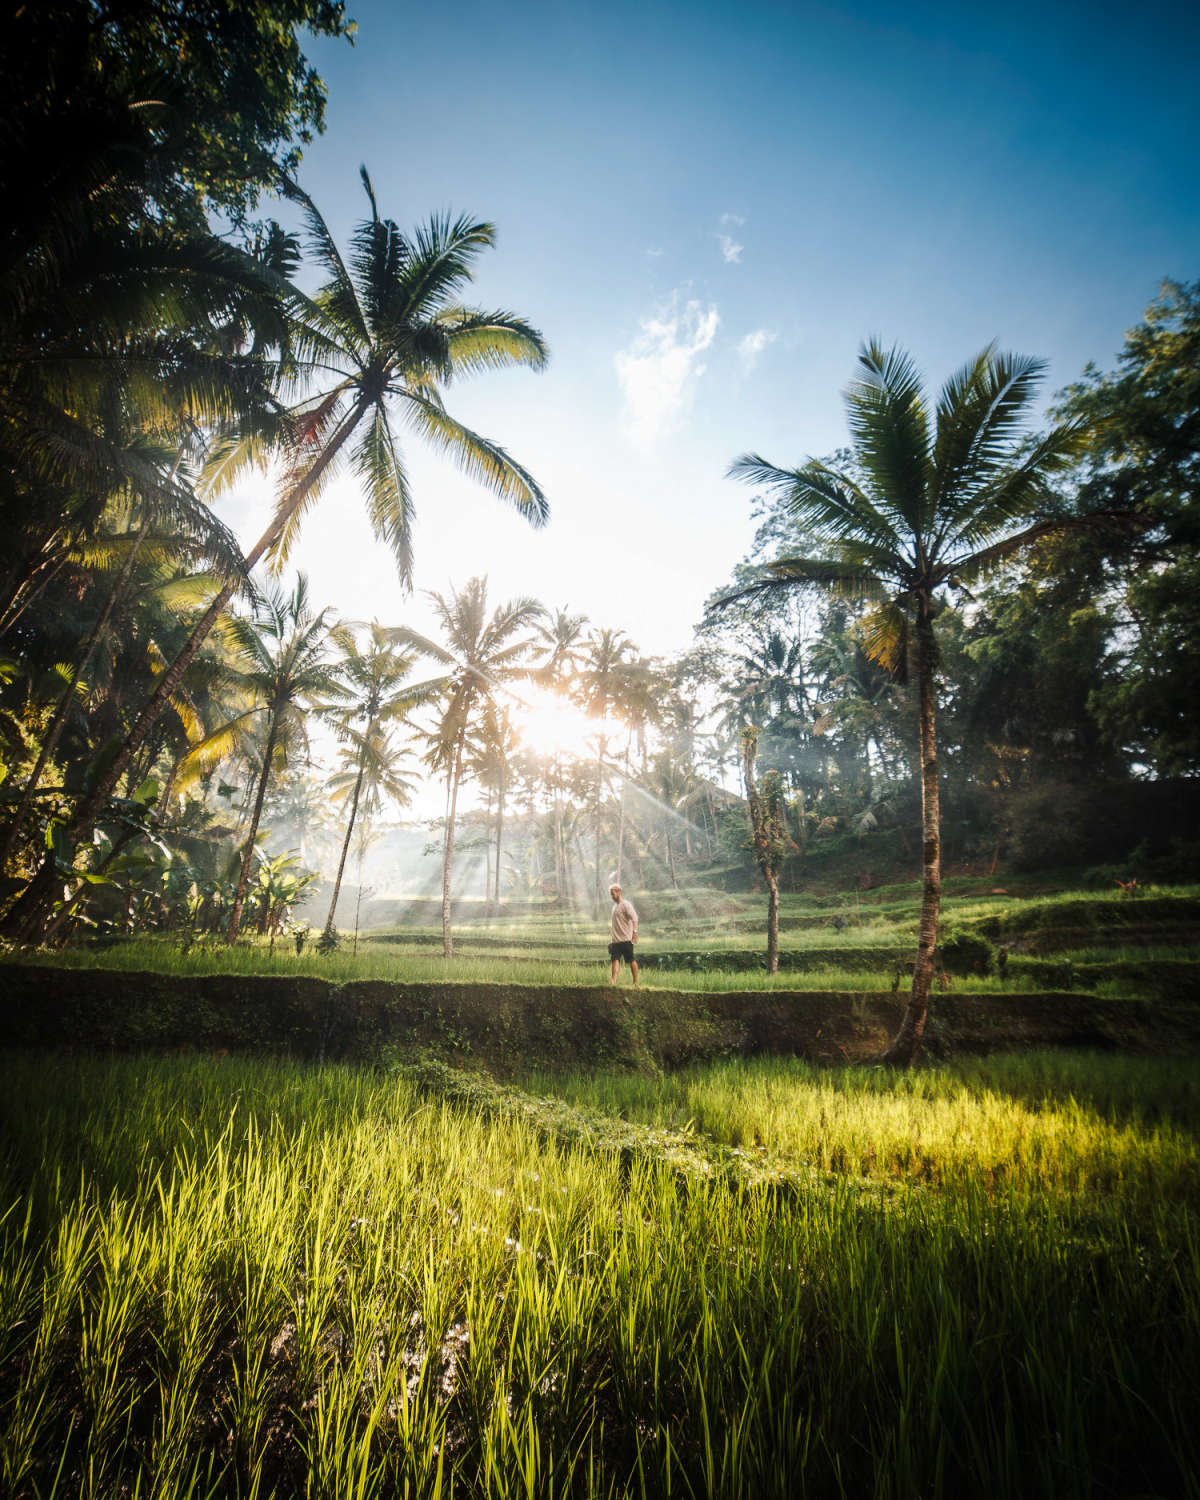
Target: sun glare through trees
{"points": [[600, 795]]}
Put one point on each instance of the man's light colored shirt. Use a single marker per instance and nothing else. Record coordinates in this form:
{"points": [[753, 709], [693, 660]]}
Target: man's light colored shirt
{"points": [[624, 921]]}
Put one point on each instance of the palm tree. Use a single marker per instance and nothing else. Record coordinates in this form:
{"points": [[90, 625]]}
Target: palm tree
{"points": [[372, 774], [388, 331], [284, 665], [600, 686], [768, 681], [499, 741], [483, 653], [562, 638], [374, 677], [936, 500]]}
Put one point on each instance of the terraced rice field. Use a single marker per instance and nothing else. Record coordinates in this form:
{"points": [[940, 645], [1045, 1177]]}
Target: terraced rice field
{"points": [[239, 1278]]}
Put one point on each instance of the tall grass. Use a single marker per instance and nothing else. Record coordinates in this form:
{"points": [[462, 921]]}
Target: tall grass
{"points": [[398, 964], [243, 1279], [1035, 1122]]}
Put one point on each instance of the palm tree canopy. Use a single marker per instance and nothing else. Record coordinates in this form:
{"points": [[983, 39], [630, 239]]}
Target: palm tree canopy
{"points": [[482, 652], [938, 496], [382, 336], [382, 764], [374, 677], [282, 663]]}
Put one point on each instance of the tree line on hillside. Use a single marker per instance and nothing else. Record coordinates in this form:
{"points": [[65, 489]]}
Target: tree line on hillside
{"points": [[960, 638]]}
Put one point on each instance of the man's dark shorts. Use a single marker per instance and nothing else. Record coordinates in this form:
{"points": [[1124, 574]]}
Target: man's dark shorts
{"points": [[621, 950]]}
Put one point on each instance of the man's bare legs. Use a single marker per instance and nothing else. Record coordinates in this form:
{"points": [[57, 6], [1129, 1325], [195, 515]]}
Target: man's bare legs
{"points": [[616, 969]]}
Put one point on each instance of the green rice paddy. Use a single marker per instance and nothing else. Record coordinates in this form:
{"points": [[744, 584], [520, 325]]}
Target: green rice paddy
{"points": [[236, 1278]]}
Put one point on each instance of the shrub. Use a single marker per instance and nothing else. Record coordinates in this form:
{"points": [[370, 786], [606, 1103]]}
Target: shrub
{"points": [[962, 952]]}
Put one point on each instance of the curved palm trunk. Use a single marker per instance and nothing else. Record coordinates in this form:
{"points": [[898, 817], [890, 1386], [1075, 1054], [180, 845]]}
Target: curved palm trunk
{"points": [[337, 884], [235, 916], [907, 1041], [59, 719], [448, 853], [27, 916]]}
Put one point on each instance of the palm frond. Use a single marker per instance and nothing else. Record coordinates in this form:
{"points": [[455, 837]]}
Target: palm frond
{"points": [[337, 300], [490, 340], [217, 746], [444, 252], [478, 457], [979, 413], [824, 500], [885, 636], [389, 498], [1012, 495], [890, 427]]}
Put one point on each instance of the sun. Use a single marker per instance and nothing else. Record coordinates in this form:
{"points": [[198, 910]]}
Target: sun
{"points": [[551, 725]]}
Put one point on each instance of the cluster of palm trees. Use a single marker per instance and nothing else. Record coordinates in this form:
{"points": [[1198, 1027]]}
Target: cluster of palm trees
{"points": [[135, 386]]}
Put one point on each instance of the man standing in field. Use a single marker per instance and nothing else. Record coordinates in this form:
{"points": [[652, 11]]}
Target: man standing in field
{"points": [[624, 934]]}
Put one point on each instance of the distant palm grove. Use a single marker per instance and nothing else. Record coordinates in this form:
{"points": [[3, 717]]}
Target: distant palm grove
{"points": [[966, 642]]}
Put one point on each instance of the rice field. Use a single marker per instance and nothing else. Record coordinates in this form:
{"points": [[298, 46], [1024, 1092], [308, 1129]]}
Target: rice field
{"points": [[222, 1277]]}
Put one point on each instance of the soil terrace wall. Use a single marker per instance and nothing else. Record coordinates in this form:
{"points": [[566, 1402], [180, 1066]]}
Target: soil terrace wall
{"points": [[501, 1024]]}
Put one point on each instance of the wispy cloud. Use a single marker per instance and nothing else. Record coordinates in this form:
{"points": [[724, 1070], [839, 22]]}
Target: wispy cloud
{"points": [[731, 251], [654, 251], [659, 370], [753, 345]]}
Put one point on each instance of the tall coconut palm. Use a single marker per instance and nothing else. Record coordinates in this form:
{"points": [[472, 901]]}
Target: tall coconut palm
{"points": [[482, 652], [937, 498], [284, 667], [499, 742], [373, 773], [600, 686], [562, 640], [374, 679], [379, 339]]}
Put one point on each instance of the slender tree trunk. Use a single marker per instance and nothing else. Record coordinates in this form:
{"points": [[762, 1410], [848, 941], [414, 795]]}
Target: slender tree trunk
{"points": [[448, 853], [235, 916], [772, 922], [20, 590], [596, 876], [560, 852], [487, 854], [26, 918], [169, 785], [337, 884], [57, 723], [621, 825], [600, 755], [499, 838], [907, 1042], [768, 827]]}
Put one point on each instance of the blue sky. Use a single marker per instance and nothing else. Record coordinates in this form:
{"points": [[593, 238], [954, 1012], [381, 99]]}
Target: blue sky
{"points": [[706, 209]]}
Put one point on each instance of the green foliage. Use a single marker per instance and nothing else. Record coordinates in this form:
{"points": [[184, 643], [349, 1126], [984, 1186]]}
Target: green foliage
{"points": [[282, 1280], [233, 93], [964, 952]]}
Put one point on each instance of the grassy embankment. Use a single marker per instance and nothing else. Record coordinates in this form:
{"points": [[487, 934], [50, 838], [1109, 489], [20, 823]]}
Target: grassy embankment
{"points": [[238, 1278], [1063, 940]]}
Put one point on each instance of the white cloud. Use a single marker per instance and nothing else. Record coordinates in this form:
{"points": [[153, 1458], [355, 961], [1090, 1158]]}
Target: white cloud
{"points": [[654, 251], [659, 370], [730, 249], [753, 345], [732, 219]]}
